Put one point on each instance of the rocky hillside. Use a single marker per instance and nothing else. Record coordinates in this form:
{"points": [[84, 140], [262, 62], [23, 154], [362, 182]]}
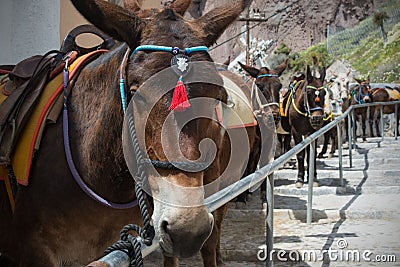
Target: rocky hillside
{"points": [[300, 26]]}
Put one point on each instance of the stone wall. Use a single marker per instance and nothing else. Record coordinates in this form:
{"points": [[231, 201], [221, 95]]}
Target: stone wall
{"points": [[300, 26]]}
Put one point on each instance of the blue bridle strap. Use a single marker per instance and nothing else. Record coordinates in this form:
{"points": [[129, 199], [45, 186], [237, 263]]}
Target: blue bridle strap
{"points": [[158, 48], [268, 75], [360, 99], [170, 49], [316, 108]]}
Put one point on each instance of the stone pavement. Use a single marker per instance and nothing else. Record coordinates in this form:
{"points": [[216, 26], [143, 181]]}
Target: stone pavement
{"points": [[357, 225]]}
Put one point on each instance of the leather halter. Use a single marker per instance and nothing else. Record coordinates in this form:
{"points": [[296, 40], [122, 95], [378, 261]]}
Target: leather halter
{"points": [[188, 166], [255, 94], [360, 98]]}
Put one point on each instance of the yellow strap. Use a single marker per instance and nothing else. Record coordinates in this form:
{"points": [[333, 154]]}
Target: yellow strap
{"points": [[329, 117], [298, 111]]}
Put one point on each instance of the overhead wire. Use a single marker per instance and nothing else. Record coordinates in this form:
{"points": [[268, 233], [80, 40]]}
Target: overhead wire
{"points": [[265, 20]]}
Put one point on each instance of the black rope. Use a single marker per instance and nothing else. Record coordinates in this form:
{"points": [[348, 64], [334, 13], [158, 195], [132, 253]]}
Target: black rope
{"points": [[129, 243]]}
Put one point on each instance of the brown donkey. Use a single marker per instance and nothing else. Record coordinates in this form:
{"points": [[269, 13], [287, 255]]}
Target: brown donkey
{"points": [[306, 114], [267, 82]]}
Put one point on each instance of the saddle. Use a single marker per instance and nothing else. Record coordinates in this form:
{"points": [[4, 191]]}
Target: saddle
{"points": [[25, 82]]}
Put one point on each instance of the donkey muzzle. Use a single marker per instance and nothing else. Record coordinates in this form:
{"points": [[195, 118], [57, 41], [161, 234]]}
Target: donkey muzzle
{"points": [[316, 121]]}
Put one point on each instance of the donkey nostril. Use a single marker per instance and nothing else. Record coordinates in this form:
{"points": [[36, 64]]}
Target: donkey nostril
{"points": [[164, 226]]}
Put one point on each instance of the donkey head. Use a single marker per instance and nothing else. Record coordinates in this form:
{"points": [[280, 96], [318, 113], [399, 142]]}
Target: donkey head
{"points": [[268, 83], [362, 91], [167, 135], [315, 97]]}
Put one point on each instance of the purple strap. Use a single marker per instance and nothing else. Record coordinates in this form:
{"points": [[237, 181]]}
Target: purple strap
{"points": [[78, 178]]}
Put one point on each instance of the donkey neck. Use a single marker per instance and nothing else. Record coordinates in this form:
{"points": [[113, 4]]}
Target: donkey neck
{"points": [[96, 118]]}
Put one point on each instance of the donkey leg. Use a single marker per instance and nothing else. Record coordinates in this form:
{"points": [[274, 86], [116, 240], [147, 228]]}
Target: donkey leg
{"points": [[315, 182], [170, 261], [325, 145], [240, 202], [377, 123], [334, 146], [364, 128], [211, 251], [287, 139], [300, 162]]}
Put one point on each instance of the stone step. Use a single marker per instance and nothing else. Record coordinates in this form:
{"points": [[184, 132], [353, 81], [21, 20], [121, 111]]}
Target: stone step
{"points": [[353, 177], [291, 190]]}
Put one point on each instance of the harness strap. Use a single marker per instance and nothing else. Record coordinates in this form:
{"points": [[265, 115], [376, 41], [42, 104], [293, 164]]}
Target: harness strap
{"points": [[10, 194]]}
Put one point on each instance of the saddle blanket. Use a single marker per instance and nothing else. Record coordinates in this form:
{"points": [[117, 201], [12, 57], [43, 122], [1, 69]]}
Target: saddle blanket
{"points": [[393, 94], [238, 113], [47, 110]]}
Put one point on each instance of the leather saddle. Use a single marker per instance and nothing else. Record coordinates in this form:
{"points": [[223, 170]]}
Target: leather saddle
{"points": [[26, 81]]}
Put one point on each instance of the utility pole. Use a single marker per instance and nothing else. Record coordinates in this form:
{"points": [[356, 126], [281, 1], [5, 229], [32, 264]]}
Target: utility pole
{"points": [[257, 17]]}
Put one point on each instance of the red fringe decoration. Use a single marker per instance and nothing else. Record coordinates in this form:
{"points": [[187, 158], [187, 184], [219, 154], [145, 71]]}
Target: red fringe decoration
{"points": [[180, 101], [317, 99]]}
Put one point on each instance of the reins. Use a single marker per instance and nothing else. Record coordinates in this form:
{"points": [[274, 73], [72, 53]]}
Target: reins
{"points": [[360, 98], [67, 77], [255, 95]]}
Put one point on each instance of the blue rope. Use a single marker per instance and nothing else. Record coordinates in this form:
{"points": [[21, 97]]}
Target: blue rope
{"points": [[268, 75], [170, 49], [122, 92]]}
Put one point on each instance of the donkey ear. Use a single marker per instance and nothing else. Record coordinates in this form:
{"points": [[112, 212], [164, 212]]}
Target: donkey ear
{"points": [[281, 67], [132, 5], [112, 19], [309, 76], [357, 80], [253, 72], [180, 6], [228, 61], [217, 20], [367, 80], [322, 74]]}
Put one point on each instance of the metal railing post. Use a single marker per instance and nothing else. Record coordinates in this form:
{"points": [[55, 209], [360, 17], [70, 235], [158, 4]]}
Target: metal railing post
{"points": [[395, 122], [350, 141], [270, 218], [339, 137], [354, 132], [382, 122], [311, 167]]}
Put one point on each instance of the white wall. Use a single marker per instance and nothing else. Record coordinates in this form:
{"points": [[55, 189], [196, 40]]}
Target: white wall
{"points": [[28, 27]]}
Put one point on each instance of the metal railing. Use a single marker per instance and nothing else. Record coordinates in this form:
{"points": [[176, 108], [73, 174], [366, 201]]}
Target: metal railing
{"points": [[213, 202]]}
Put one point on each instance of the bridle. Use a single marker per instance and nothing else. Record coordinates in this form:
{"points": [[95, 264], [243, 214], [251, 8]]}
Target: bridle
{"points": [[308, 109], [125, 98], [255, 95], [360, 98], [168, 165]]}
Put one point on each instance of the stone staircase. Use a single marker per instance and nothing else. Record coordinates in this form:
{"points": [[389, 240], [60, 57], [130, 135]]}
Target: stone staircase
{"points": [[364, 215]]}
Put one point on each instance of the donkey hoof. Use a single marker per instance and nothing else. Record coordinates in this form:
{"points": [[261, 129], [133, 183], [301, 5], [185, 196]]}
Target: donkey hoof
{"points": [[315, 184], [299, 184], [264, 205], [320, 156], [330, 155]]}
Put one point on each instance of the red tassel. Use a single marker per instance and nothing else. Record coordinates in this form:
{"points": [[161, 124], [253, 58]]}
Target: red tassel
{"points": [[180, 101], [317, 99]]}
